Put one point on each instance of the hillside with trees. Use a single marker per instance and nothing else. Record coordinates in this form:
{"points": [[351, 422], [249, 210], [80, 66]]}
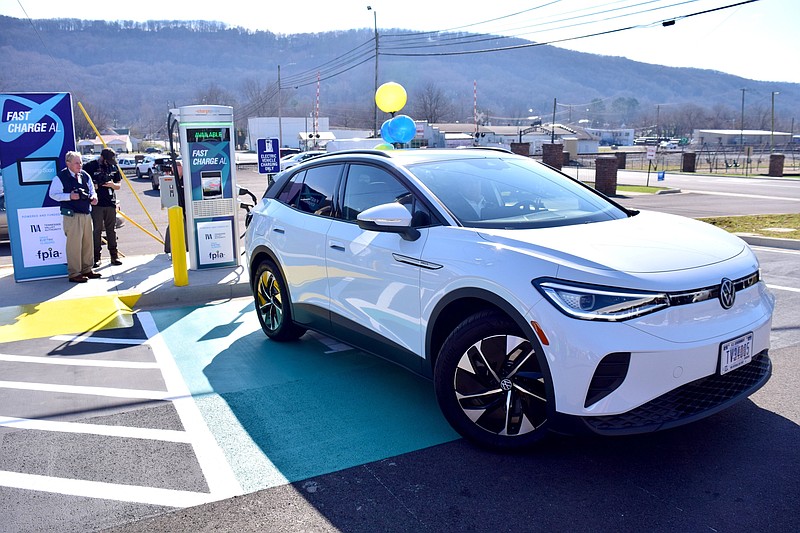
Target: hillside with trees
{"points": [[129, 74]]}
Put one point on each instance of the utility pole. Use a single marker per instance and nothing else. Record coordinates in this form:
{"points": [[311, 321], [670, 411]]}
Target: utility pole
{"points": [[375, 23], [772, 131], [553, 129], [741, 124], [280, 121]]}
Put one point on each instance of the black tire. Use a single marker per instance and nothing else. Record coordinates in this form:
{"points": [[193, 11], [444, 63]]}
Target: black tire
{"points": [[272, 304], [491, 384]]}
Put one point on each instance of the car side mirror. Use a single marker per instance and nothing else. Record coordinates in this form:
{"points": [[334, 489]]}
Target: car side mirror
{"points": [[388, 218]]}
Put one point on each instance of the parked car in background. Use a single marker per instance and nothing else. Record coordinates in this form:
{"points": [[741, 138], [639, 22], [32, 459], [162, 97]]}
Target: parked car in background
{"points": [[295, 159], [151, 167], [126, 162], [533, 302]]}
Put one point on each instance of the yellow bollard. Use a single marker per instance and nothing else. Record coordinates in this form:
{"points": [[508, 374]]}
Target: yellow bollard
{"points": [[178, 246]]}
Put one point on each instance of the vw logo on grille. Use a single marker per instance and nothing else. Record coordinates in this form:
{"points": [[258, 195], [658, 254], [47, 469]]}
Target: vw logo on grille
{"points": [[506, 384], [727, 293]]}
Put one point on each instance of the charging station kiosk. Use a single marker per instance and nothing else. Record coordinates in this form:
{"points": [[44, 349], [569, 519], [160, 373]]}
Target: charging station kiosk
{"points": [[209, 185]]}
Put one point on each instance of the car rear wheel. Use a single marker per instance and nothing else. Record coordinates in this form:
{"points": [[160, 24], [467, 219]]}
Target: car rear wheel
{"points": [[272, 304], [491, 385]]}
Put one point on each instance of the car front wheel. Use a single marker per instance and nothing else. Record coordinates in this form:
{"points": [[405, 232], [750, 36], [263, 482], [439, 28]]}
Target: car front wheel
{"points": [[272, 304], [490, 383]]}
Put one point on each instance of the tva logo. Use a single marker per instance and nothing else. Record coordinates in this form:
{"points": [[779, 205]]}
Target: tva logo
{"points": [[35, 228], [48, 254]]}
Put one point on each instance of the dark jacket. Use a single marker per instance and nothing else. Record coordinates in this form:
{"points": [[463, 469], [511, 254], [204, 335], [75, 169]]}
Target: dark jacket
{"points": [[100, 173]]}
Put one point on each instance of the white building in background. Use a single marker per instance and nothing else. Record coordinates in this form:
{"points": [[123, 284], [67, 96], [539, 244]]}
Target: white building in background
{"points": [[736, 137], [613, 137], [294, 132]]}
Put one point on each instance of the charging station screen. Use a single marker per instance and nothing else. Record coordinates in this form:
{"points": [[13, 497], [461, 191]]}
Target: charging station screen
{"points": [[208, 135], [37, 170]]}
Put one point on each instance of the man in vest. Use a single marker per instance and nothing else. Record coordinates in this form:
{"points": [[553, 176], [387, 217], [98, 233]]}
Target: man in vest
{"points": [[74, 190]]}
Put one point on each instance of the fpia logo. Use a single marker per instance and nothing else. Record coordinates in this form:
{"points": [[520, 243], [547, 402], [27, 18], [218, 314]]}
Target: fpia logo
{"points": [[46, 255], [216, 255]]}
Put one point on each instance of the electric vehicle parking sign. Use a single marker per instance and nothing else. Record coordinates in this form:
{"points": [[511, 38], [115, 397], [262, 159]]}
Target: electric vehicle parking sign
{"points": [[268, 156]]}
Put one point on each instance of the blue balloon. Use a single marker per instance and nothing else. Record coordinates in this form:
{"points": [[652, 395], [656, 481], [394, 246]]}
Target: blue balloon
{"points": [[402, 128], [385, 133]]}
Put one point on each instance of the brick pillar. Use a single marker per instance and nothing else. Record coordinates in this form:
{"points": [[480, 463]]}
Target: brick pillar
{"points": [[688, 162], [622, 159], [553, 155], [521, 148], [776, 165], [605, 176]]}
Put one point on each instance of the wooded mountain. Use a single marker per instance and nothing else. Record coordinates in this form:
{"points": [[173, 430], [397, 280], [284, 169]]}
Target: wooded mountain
{"points": [[129, 74]]}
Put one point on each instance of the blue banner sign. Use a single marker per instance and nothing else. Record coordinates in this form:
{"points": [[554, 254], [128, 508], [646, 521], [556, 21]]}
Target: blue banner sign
{"points": [[36, 131]]}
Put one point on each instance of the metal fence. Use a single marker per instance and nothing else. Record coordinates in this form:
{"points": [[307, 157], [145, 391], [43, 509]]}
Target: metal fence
{"points": [[710, 160]]}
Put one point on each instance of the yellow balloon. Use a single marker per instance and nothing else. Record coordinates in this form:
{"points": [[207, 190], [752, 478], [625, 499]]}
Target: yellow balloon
{"points": [[384, 146], [390, 97]]}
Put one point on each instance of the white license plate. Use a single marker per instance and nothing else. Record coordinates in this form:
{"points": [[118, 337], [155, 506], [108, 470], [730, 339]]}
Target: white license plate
{"points": [[735, 353]]}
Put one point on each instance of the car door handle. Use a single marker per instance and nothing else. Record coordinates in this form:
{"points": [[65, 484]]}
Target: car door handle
{"points": [[337, 246], [279, 229]]}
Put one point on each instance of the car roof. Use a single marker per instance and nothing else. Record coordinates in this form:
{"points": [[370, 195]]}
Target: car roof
{"points": [[417, 155]]}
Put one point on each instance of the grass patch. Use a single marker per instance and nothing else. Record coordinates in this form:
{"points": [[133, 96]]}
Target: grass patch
{"points": [[763, 225], [640, 188], [632, 188]]}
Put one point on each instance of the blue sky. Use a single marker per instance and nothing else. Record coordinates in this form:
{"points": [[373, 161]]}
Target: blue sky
{"points": [[757, 40]]}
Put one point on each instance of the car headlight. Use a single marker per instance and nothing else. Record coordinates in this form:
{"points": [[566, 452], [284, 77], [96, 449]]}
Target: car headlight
{"points": [[591, 302]]}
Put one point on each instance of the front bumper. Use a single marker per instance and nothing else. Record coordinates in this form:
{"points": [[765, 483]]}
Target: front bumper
{"points": [[690, 402]]}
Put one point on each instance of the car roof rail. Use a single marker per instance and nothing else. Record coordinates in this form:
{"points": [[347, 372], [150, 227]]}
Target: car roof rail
{"points": [[356, 151], [490, 148]]}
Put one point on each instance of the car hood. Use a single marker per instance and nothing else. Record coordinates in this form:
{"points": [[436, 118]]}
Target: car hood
{"points": [[648, 242]]}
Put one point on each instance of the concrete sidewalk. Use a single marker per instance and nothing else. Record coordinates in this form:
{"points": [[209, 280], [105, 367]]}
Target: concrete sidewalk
{"points": [[147, 279]]}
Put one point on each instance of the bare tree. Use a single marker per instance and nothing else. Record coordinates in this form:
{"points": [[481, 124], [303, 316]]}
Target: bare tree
{"points": [[432, 104], [100, 116]]}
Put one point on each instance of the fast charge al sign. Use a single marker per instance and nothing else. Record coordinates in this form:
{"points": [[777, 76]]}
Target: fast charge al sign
{"points": [[36, 131], [269, 160]]}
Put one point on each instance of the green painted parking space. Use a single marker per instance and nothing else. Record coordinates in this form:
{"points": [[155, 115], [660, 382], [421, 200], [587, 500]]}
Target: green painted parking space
{"points": [[283, 412]]}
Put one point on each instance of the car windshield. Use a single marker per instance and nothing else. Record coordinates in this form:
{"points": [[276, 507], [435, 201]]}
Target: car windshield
{"points": [[511, 193]]}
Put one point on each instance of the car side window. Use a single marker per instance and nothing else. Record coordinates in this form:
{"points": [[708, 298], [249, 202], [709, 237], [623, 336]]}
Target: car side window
{"points": [[368, 186], [312, 191]]}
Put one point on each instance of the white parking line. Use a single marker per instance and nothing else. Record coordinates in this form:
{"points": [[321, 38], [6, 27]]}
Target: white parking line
{"points": [[780, 288], [75, 362], [742, 195], [138, 394], [219, 475], [167, 435], [107, 491], [87, 337]]}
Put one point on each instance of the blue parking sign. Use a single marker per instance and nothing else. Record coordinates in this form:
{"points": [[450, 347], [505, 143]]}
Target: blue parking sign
{"points": [[269, 160]]}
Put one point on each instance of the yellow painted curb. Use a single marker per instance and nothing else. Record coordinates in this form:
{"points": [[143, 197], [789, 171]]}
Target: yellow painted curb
{"points": [[66, 317]]}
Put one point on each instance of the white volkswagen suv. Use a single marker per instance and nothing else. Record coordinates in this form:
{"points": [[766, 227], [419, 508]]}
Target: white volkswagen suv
{"points": [[533, 302]]}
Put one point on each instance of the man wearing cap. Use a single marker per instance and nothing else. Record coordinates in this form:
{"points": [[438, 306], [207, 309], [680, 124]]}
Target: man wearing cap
{"points": [[106, 178], [74, 190]]}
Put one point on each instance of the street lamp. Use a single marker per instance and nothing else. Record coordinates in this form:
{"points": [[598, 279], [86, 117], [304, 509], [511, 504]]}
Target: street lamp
{"points": [[772, 131], [375, 22]]}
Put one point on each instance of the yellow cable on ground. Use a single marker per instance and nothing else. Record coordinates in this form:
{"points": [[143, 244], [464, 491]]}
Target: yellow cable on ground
{"points": [[146, 212]]}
